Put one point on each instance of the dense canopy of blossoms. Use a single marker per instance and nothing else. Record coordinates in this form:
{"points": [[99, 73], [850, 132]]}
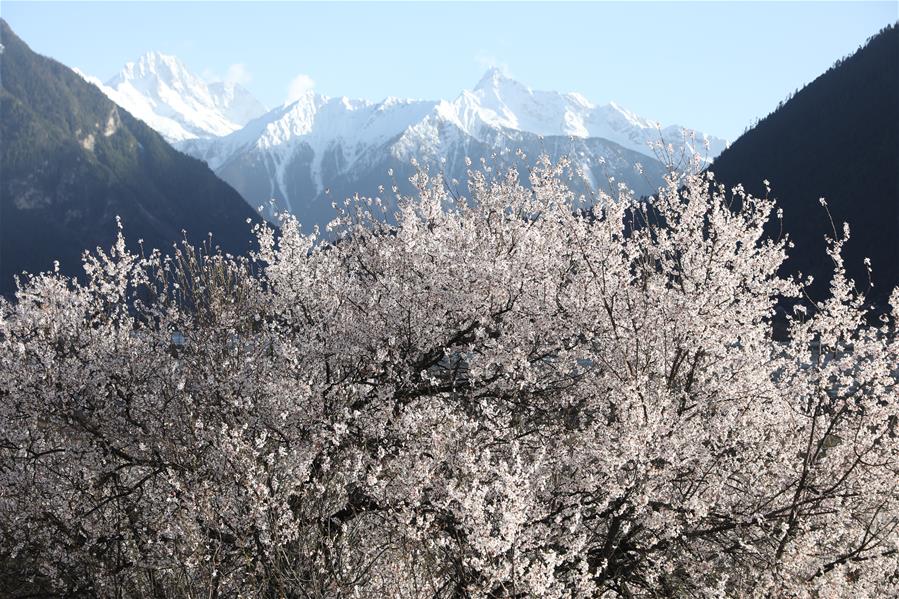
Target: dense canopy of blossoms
{"points": [[510, 395]]}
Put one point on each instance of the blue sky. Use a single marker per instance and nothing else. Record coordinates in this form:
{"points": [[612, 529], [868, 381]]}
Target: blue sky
{"points": [[713, 66]]}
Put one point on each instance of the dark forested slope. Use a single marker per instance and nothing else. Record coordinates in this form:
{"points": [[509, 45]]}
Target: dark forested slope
{"points": [[837, 138], [71, 161]]}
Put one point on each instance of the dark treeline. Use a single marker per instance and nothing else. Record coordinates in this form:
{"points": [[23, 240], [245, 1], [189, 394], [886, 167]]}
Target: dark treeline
{"points": [[836, 138]]}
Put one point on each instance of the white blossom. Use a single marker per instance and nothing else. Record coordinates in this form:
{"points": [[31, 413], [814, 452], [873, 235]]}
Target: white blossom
{"points": [[501, 397]]}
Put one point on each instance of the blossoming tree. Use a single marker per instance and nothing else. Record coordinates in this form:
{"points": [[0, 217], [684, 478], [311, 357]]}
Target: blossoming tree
{"points": [[506, 396]]}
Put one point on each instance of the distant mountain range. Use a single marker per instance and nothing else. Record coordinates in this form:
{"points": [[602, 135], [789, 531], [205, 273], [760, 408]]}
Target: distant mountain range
{"points": [[72, 160], [306, 154], [837, 138]]}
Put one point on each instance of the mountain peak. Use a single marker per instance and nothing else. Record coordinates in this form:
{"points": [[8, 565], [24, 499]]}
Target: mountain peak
{"points": [[153, 57], [151, 64], [160, 90], [492, 78]]}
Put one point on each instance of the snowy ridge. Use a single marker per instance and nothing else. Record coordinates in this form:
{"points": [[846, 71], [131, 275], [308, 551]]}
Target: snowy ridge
{"points": [[297, 153], [496, 103], [161, 91], [318, 123], [500, 102]]}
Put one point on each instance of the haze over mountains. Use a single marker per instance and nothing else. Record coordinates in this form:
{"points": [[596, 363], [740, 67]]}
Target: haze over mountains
{"points": [[316, 149]]}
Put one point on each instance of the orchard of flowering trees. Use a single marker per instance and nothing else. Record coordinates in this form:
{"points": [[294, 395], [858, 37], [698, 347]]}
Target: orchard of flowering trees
{"points": [[507, 396]]}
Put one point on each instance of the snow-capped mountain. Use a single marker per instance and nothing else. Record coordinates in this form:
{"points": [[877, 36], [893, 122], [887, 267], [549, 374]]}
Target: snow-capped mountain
{"points": [[317, 149], [318, 146], [498, 102], [161, 91]]}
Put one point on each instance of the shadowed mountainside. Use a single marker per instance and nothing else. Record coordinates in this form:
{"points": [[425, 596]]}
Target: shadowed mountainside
{"points": [[837, 138], [72, 161]]}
